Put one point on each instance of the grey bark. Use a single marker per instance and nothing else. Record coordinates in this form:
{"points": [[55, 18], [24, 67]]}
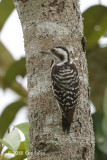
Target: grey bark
{"points": [[46, 24]]}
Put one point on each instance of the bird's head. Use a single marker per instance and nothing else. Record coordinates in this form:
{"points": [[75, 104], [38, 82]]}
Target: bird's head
{"points": [[60, 52]]}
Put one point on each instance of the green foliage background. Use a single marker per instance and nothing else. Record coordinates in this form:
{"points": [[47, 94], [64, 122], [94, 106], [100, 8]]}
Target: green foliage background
{"points": [[95, 26]]}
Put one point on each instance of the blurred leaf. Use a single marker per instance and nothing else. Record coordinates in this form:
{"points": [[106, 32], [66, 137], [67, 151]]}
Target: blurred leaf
{"points": [[1, 147], [104, 126], [103, 145], [20, 153], [15, 86], [95, 24], [12, 140], [4, 158], [24, 127], [97, 121], [21, 148], [101, 139], [105, 34], [18, 157], [6, 7], [105, 103], [9, 114], [99, 155], [97, 65], [17, 68], [5, 58]]}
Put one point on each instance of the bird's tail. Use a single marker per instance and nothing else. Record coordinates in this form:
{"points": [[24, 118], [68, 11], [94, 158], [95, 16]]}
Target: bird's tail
{"points": [[67, 119]]}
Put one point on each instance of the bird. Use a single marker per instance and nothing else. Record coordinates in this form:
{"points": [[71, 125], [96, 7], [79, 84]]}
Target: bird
{"points": [[65, 84]]}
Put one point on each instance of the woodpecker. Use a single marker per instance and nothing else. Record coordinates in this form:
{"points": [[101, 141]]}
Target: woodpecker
{"points": [[65, 84]]}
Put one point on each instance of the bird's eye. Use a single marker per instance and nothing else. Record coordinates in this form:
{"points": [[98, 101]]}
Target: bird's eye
{"points": [[53, 50]]}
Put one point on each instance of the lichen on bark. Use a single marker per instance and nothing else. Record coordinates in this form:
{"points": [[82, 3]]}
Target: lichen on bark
{"points": [[46, 24]]}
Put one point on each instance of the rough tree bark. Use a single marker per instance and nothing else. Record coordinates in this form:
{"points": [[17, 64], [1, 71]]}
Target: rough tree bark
{"points": [[46, 24]]}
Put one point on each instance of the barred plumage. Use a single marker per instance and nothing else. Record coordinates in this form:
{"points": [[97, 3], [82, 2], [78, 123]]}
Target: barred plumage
{"points": [[65, 82], [66, 90]]}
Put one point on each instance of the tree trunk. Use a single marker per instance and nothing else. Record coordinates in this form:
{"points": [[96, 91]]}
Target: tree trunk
{"points": [[46, 24]]}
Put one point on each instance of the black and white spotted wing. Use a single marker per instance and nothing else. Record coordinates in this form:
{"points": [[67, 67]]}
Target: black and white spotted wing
{"points": [[65, 84]]}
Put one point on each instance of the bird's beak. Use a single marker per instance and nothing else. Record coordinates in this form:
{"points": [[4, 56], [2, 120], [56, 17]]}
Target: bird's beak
{"points": [[46, 52]]}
